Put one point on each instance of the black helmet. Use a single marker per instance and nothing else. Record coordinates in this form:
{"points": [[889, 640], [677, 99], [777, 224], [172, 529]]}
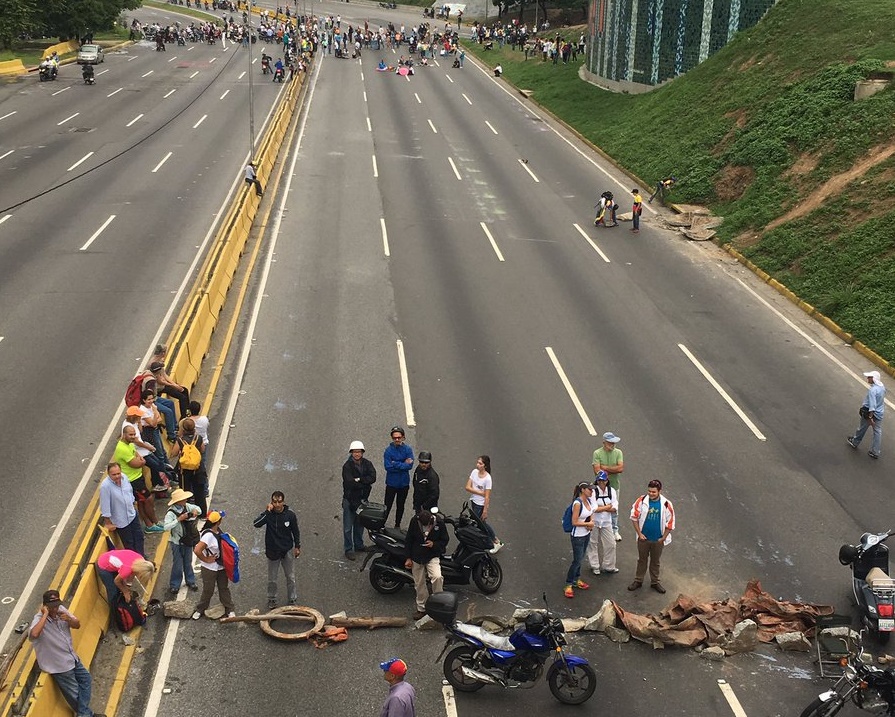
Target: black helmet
{"points": [[534, 623], [848, 554], [425, 457]]}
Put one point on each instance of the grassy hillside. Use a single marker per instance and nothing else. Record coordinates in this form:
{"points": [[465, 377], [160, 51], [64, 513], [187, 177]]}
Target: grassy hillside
{"points": [[766, 132]]}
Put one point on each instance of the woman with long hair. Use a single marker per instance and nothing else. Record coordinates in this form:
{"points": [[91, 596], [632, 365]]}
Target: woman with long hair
{"points": [[479, 486], [582, 525]]}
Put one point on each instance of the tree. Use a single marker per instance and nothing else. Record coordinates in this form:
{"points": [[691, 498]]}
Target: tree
{"points": [[17, 17]]}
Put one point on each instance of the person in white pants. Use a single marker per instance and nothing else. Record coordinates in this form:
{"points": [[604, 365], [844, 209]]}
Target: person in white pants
{"points": [[604, 503]]}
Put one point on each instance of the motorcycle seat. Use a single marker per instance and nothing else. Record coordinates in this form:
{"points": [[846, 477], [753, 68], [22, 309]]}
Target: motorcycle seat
{"points": [[395, 534], [486, 638]]}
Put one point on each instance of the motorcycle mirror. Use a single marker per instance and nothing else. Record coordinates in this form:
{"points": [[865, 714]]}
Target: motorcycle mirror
{"points": [[434, 510]]}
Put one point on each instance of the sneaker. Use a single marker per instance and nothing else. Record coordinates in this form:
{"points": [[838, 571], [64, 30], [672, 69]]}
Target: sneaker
{"points": [[851, 442], [230, 614], [497, 546], [154, 529], [159, 488], [196, 615], [613, 571], [271, 604], [595, 571], [292, 601], [618, 537], [193, 587], [568, 592], [658, 588], [872, 454], [581, 585], [173, 591]]}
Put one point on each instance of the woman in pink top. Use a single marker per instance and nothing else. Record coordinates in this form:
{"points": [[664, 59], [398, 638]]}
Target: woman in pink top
{"points": [[118, 568]]}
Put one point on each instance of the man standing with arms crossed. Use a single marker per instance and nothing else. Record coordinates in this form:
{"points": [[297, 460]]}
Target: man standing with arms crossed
{"points": [[609, 458]]}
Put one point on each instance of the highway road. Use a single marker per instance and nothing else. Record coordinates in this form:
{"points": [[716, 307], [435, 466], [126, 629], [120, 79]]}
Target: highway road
{"points": [[107, 194]]}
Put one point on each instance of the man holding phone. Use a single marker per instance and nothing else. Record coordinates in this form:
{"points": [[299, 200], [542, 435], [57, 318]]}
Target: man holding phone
{"points": [[426, 541]]}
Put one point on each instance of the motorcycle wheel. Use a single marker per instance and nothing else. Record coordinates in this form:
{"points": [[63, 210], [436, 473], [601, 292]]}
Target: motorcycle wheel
{"points": [[384, 582], [572, 686], [487, 575], [453, 673], [820, 708]]}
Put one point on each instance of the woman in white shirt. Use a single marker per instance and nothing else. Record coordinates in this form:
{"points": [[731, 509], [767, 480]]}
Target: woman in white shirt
{"points": [[479, 486], [582, 525]]}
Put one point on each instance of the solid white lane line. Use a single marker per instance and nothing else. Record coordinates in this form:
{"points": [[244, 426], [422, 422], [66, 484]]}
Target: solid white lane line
{"points": [[437, 63], [405, 384], [450, 704], [115, 92], [8, 114], [491, 239], [369, 126], [173, 58], [450, 79], [97, 233], [103, 72], [467, 99], [365, 95], [592, 243], [361, 75], [201, 120], [254, 61], [714, 384], [241, 75], [375, 168], [159, 165], [170, 92], [194, 74], [731, 698], [524, 166], [571, 391], [7, 153], [432, 126], [82, 159], [134, 120], [454, 167], [59, 124], [3, 219], [384, 236], [59, 92], [147, 74], [491, 127], [418, 100], [226, 92], [190, 49], [212, 60]]}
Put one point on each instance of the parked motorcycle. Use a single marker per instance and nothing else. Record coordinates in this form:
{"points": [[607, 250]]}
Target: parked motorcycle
{"points": [[868, 687], [873, 589], [471, 561], [479, 658]]}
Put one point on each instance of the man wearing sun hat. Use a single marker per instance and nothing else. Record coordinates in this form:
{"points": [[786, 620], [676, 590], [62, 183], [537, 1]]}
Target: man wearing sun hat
{"points": [[181, 522], [871, 412], [609, 458], [401, 700]]}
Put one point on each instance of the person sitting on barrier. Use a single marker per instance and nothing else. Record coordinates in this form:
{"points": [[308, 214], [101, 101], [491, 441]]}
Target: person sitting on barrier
{"points": [[123, 571], [50, 635], [132, 466], [146, 450], [166, 384]]}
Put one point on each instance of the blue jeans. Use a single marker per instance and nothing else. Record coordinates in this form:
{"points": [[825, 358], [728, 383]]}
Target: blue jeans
{"points": [[108, 580], [478, 510], [165, 406], [182, 567], [876, 444], [131, 536], [579, 549], [75, 686], [352, 531]]}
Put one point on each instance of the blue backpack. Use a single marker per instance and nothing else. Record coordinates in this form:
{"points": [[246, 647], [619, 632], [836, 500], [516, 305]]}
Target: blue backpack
{"points": [[567, 517]]}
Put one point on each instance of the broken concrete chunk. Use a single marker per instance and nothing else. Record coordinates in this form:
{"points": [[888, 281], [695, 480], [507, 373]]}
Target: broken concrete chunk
{"points": [[426, 623], [714, 653], [573, 624], [793, 641], [617, 634], [744, 638], [338, 614], [491, 627], [179, 609]]}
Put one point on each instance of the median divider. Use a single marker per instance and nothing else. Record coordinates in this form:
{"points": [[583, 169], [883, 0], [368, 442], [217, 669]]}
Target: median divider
{"points": [[26, 691]]}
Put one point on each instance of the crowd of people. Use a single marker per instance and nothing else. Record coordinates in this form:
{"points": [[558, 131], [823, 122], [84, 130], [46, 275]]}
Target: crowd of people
{"points": [[549, 47]]}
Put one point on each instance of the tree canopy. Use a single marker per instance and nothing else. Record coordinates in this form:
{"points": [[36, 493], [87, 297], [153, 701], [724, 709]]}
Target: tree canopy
{"points": [[64, 19]]}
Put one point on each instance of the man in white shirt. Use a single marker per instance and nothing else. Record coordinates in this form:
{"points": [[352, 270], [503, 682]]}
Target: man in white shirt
{"points": [[601, 549]]}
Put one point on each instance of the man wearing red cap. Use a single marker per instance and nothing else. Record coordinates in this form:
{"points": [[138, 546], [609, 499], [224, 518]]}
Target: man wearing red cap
{"points": [[401, 700]]}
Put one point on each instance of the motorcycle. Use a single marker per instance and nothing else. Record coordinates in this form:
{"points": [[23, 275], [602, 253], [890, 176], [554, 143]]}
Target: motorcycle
{"points": [[388, 5], [46, 71], [868, 687], [515, 662], [88, 75], [873, 589], [265, 65], [279, 75], [471, 561]]}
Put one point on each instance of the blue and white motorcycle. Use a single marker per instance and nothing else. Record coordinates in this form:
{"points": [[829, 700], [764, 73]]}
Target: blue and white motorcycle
{"points": [[479, 658]]}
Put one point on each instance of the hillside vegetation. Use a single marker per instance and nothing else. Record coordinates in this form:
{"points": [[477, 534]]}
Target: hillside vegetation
{"points": [[766, 133]]}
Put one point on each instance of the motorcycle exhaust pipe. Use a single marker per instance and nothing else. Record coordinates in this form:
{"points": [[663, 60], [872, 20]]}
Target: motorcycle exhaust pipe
{"points": [[481, 677]]}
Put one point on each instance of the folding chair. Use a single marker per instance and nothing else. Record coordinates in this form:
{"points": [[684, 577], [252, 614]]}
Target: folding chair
{"points": [[833, 640]]}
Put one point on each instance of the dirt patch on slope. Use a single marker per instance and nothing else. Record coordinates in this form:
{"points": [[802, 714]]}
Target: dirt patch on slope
{"points": [[732, 182], [803, 165]]}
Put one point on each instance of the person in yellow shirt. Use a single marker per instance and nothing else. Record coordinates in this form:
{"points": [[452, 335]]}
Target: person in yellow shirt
{"points": [[636, 210]]}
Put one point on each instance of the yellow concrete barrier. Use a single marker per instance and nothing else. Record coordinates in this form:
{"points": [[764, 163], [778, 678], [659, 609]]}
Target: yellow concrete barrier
{"points": [[62, 48], [12, 67]]}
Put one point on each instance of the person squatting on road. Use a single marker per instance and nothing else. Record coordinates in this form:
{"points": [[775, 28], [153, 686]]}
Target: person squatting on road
{"points": [[871, 413], [582, 525], [121, 571], [182, 524], [610, 459], [50, 635], [358, 477], [398, 461], [479, 485], [282, 545], [653, 518], [208, 550], [427, 539], [426, 484], [604, 504], [401, 700]]}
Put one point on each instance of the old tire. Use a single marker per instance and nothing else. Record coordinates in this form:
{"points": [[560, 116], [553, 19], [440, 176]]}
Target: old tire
{"points": [[572, 686], [453, 662], [487, 575]]}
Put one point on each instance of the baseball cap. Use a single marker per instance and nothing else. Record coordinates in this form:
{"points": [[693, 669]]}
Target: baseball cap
{"points": [[51, 597], [610, 437], [216, 516], [134, 411], [396, 666], [601, 475], [425, 457]]}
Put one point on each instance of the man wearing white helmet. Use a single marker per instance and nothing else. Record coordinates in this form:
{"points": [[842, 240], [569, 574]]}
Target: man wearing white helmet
{"points": [[358, 477]]}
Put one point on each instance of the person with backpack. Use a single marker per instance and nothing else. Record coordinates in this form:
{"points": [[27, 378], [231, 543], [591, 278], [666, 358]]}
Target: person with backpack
{"points": [[282, 544], [189, 448], [212, 568], [181, 522], [601, 549], [122, 572], [578, 523]]}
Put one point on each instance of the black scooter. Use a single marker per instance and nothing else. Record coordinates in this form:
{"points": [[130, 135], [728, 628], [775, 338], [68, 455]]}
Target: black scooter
{"points": [[471, 561], [873, 589], [88, 75]]}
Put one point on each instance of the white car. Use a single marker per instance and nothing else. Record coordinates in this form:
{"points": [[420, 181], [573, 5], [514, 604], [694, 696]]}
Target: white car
{"points": [[90, 55]]}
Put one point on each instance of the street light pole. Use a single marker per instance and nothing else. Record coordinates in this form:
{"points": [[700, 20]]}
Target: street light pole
{"points": [[251, 89]]}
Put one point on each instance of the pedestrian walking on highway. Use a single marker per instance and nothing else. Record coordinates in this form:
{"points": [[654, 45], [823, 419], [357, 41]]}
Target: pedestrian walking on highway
{"points": [[282, 545], [358, 477], [871, 413], [401, 700], [479, 486], [182, 524], [398, 461], [610, 459], [604, 504], [653, 517], [582, 525], [50, 635], [636, 210], [427, 539], [208, 550], [117, 507], [426, 484]]}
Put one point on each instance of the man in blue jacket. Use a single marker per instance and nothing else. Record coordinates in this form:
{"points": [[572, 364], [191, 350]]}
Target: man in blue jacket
{"points": [[398, 459]]}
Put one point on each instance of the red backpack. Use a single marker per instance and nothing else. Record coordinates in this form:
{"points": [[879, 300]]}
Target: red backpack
{"points": [[133, 396]]}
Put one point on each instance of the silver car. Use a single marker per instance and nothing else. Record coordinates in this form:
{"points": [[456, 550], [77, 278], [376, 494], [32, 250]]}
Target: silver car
{"points": [[90, 55]]}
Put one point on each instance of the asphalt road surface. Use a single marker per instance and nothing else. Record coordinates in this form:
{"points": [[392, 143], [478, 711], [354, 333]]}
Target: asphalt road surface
{"points": [[410, 217]]}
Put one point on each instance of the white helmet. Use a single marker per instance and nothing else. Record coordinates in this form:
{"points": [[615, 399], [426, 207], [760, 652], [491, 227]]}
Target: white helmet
{"points": [[356, 446]]}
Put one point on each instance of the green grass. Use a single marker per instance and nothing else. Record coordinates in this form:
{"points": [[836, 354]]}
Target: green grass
{"points": [[30, 53], [734, 127]]}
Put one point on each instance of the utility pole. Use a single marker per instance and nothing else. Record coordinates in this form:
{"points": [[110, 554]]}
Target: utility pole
{"points": [[251, 89]]}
